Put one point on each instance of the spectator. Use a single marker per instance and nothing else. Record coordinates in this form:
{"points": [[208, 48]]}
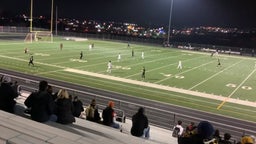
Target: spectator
{"points": [[64, 108], [203, 135], [108, 116], [178, 129], [92, 113], [216, 135], [191, 127], [78, 107], [15, 88], [247, 140], [226, 139], [7, 95], [41, 104], [190, 130], [140, 127]]}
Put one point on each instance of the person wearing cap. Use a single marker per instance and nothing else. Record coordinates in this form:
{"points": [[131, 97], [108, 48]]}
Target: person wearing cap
{"points": [[108, 116], [7, 95]]}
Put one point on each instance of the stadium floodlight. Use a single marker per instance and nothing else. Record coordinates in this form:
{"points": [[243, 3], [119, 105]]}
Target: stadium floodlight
{"points": [[170, 21]]}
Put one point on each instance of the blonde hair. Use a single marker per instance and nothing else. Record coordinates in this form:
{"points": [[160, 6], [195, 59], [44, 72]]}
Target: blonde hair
{"points": [[63, 94]]}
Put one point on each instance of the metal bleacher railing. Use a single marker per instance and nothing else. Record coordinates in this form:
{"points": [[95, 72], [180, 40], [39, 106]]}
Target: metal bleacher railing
{"points": [[157, 116]]}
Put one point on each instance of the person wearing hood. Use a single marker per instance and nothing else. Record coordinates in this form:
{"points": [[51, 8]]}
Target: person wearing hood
{"points": [[140, 127], [7, 95]]}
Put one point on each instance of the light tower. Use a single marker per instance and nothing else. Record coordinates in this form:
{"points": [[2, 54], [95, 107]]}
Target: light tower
{"points": [[170, 23]]}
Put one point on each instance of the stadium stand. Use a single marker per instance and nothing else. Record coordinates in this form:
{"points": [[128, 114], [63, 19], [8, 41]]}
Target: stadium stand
{"points": [[19, 130]]}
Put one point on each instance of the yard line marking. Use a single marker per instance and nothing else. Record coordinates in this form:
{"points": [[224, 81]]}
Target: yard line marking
{"points": [[152, 85], [145, 62], [162, 66], [184, 71], [226, 99], [214, 75], [19, 59]]}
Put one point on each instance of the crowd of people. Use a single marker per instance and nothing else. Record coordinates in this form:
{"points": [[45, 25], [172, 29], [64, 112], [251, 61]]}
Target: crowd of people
{"points": [[44, 105], [204, 133]]}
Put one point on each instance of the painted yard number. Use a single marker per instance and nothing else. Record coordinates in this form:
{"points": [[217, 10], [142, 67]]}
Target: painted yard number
{"points": [[243, 87]]}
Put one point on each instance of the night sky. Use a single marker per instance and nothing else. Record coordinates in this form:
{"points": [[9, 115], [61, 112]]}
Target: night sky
{"points": [[186, 13]]}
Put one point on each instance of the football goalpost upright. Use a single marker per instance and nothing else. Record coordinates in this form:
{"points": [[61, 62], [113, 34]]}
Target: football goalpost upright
{"points": [[34, 36]]}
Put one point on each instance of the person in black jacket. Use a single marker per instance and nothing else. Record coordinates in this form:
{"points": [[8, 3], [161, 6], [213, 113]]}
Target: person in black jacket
{"points": [[64, 108], [140, 127], [7, 95], [108, 116], [78, 107], [41, 104], [204, 134]]}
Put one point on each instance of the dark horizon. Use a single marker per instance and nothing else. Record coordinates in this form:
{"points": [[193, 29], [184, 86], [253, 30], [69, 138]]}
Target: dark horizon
{"points": [[186, 13]]}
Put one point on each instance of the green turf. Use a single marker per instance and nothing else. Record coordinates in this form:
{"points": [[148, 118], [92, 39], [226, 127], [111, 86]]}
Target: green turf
{"points": [[199, 73]]}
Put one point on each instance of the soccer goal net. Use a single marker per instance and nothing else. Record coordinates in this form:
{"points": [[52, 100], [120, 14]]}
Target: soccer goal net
{"points": [[39, 36]]}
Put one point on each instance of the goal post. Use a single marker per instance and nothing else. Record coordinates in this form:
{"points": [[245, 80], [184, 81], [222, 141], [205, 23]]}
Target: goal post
{"points": [[39, 36], [45, 36]]}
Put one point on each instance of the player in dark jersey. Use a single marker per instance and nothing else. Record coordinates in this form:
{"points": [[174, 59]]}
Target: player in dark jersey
{"points": [[143, 74], [31, 59]]}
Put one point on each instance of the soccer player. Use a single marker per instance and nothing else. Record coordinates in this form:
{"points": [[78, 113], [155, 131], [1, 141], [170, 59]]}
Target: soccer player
{"points": [[81, 55], [61, 46], [119, 57], [179, 65], [212, 54], [132, 53], [142, 55], [218, 65], [31, 59], [109, 67], [143, 74], [128, 45], [90, 47], [26, 50]]}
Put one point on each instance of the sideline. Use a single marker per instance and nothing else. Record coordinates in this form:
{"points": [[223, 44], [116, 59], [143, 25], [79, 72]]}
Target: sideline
{"points": [[152, 85]]}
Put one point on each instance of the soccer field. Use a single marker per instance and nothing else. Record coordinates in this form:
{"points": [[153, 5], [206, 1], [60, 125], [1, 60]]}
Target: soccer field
{"points": [[228, 89]]}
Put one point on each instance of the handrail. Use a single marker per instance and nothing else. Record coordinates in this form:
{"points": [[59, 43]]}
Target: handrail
{"points": [[129, 108]]}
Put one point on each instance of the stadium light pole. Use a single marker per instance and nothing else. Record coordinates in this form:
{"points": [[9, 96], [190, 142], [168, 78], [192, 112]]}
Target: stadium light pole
{"points": [[170, 22], [31, 15], [51, 21], [56, 21], [51, 16]]}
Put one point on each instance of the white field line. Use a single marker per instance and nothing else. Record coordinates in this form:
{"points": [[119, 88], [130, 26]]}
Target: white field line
{"points": [[242, 83], [214, 75], [229, 97], [124, 59], [185, 71], [152, 85], [161, 67]]}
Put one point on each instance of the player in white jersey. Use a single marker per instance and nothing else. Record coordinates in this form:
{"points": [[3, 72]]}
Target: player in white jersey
{"points": [[179, 65], [109, 67], [119, 57], [142, 55]]}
